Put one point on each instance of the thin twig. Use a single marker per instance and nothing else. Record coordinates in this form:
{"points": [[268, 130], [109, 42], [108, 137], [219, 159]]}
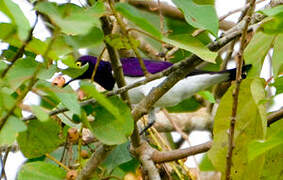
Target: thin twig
{"points": [[57, 162], [238, 10], [239, 61], [97, 64]]}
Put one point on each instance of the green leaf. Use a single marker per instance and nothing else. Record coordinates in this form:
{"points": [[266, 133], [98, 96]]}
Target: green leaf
{"points": [[278, 84], [207, 96], [74, 71], [47, 73], [187, 105], [120, 42], [10, 130], [13, 11], [21, 71], [93, 38], [199, 16], [71, 18], [112, 125], [250, 126], [10, 29], [70, 100], [256, 51], [40, 113], [257, 148], [205, 164], [273, 11], [277, 63], [118, 156], [272, 25], [136, 17], [189, 43], [40, 138], [41, 170], [273, 165]]}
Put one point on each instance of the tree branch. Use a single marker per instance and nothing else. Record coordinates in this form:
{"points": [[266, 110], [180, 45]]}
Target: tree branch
{"points": [[161, 157], [91, 165], [274, 116]]}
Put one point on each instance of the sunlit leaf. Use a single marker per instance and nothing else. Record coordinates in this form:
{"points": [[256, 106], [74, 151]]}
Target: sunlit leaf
{"points": [[193, 45], [41, 170], [199, 16]]}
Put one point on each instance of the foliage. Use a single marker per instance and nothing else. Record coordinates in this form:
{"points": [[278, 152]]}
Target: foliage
{"points": [[28, 64]]}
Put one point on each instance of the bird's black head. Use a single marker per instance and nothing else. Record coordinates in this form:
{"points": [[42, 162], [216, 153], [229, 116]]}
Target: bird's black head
{"points": [[103, 75]]}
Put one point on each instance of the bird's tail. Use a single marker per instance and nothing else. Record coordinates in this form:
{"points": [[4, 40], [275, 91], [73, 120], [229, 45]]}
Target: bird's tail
{"points": [[245, 69]]}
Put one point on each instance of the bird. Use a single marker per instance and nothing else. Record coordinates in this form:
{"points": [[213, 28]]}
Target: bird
{"points": [[195, 81]]}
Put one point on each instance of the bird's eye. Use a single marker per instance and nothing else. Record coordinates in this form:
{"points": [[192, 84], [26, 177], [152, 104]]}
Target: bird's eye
{"points": [[79, 64]]}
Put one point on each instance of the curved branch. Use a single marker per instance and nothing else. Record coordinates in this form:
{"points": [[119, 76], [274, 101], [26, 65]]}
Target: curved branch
{"points": [[274, 116]]}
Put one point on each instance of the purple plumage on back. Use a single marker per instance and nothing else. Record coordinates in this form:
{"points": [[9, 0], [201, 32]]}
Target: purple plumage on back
{"points": [[131, 66]]}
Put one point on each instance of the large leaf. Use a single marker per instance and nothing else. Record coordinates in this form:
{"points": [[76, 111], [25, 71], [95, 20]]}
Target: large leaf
{"points": [[199, 16], [277, 62], [40, 138], [113, 122], [10, 130], [41, 170], [250, 126], [134, 16], [256, 51], [13, 11], [71, 18], [189, 43]]}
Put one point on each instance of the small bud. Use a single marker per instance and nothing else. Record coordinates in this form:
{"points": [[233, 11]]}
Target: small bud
{"points": [[73, 135], [71, 175], [84, 154]]}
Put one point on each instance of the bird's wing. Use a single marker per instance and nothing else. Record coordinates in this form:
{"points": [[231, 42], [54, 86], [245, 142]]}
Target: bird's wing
{"points": [[131, 66]]}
